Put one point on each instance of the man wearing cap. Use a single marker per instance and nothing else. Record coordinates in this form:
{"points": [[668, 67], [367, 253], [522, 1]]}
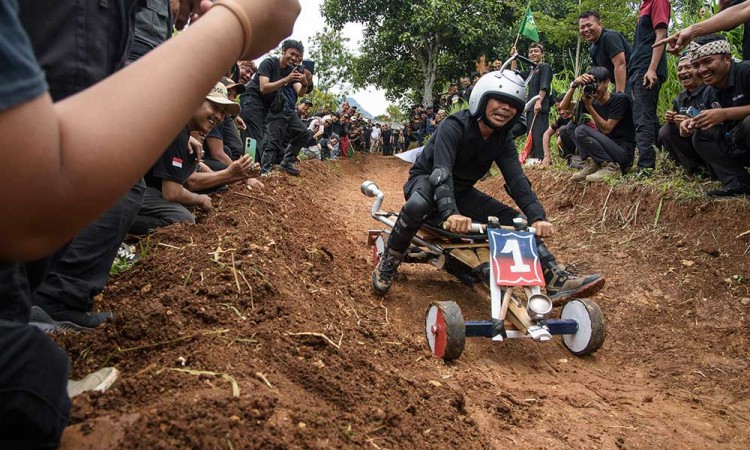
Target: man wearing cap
{"points": [[721, 133], [172, 178], [223, 143], [681, 148], [303, 108]]}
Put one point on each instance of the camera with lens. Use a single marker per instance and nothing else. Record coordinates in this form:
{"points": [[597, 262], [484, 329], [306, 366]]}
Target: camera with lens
{"points": [[590, 88]]}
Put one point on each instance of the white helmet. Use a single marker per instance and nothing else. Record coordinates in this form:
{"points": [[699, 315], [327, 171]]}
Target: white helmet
{"points": [[506, 85]]}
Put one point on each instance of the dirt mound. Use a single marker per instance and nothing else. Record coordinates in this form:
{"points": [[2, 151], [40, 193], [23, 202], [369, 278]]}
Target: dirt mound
{"points": [[257, 329]]}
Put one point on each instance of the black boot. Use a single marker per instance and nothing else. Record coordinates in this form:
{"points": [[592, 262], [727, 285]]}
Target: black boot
{"points": [[563, 285], [382, 276]]}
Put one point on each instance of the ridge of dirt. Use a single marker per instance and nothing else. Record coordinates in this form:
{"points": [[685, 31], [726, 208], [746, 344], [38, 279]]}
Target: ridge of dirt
{"points": [[227, 296]]}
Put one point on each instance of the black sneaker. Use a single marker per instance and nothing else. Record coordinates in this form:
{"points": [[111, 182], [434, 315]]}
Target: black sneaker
{"points": [[65, 320], [730, 190], [563, 285], [290, 168], [382, 276]]}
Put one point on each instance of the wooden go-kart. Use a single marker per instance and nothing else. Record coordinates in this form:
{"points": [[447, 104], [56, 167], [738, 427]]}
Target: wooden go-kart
{"points": [[498, 263]]}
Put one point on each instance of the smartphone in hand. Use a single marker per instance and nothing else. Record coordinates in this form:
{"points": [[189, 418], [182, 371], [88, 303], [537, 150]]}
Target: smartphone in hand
{"points": [[251, 146]]}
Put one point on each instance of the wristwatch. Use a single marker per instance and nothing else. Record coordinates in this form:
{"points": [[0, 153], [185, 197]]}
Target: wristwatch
{"points": [[573, 84]]}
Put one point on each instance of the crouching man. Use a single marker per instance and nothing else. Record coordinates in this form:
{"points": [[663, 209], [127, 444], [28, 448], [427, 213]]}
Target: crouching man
{"points": [[721, 134], [177, 173], [441, 184]]}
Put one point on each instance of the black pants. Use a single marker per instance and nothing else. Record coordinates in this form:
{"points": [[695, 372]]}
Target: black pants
{"points": [[680, 148], [254, 115], [34, 403], [471, 203], [541, 123], [83, 267], [279, 128], [728, 161], [158, 212], [568, 147], [645, 120], [599, 147]]}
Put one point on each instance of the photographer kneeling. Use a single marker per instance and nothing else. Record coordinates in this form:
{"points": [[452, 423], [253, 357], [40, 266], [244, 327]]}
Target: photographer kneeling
{"points": [[608, 150]]}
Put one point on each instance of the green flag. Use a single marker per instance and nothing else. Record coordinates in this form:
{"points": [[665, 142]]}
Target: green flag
{"points": [[528, 26]]}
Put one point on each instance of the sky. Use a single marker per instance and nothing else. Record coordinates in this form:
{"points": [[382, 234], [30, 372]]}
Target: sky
{"points": [[309, 22]]}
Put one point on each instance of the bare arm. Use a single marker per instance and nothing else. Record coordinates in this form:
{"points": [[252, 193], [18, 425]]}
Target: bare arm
{"points": [[76, 163], [236, 171], [216, 150], [724, 21], [621, 73], [175, 192]]}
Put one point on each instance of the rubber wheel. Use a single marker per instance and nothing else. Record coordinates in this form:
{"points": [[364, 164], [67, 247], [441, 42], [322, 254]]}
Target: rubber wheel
{"points": [[378, 247], [590, 335], [445, 330]]}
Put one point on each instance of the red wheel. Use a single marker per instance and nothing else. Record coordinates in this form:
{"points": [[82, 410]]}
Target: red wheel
{"points": [[378, 247], [445, 330]]}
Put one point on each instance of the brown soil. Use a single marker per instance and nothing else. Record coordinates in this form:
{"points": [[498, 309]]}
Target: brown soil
{"points": [[234, 295]]}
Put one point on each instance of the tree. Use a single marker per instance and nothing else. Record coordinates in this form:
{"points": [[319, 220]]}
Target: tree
{"points": [[322, 99], [412, 45], [395, 113], [333, 60]]}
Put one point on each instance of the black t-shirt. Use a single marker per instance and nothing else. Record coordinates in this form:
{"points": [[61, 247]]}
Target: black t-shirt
{"points": [[21, 79], [687, 99], [228, 133], [618, 107], [458, 146], [559, 123], [653, 14], [736, 93], [609, 44], [175, 164], [270, 68], [542, 80]]}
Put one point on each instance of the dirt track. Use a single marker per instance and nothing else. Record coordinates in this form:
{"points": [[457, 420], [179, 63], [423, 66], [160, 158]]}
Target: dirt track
{"points": [[673, 371]]}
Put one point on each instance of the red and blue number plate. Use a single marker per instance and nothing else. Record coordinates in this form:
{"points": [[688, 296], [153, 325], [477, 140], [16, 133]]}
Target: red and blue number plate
{"points": [[515, 259]]}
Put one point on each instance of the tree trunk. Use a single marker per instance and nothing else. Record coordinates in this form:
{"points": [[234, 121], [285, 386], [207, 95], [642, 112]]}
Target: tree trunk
{"points": [[429, 67]]}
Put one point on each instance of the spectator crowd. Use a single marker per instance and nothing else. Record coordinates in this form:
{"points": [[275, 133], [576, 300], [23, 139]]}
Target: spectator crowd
{"points": [[254, 121]]}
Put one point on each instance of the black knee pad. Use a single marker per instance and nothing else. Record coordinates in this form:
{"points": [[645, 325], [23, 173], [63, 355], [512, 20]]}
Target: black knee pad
{"points": [[417, 209]]}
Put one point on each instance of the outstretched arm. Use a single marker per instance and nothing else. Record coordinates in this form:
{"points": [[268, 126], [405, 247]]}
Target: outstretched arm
{"points": [[76, 163], [724, 21]]}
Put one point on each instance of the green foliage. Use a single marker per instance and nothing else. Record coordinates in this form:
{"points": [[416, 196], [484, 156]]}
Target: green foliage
{"points": [[410, 46], [333, 60], [322, 99], [395, 113]]}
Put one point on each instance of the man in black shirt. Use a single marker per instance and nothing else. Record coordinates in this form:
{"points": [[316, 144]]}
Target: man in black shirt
{"points": [[608, 48], [608, 150], [441, 183], [541, 83], [223, 143], [281, 80], [172, 178], [681, 148], [647, 70], [721, 133]]}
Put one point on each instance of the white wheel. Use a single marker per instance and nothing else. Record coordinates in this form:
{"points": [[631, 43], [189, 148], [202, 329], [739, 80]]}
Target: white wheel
{"points": [[445, 330], [590, 335], [378, 247]]}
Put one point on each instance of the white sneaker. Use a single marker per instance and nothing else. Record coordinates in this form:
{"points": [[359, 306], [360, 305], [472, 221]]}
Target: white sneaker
{"points": [[99, 381], [532, 161]]}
